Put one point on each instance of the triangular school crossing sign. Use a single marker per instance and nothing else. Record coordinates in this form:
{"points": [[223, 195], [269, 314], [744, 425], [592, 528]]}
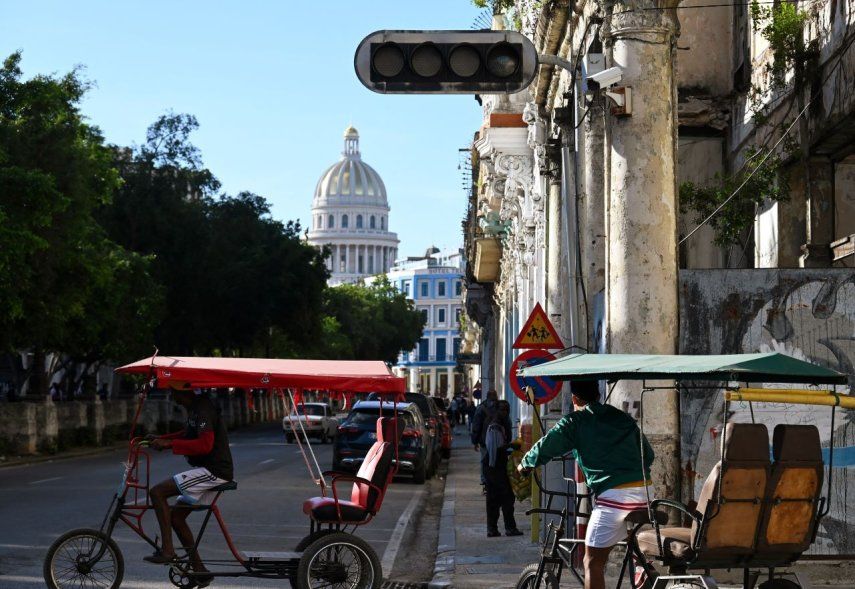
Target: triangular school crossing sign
{"points": [[538, 332]]}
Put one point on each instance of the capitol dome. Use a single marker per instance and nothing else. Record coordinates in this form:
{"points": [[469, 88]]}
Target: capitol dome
{"points": [[350, 177], [350, 215]]}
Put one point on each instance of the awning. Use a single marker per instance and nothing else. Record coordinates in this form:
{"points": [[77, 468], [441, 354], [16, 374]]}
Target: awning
{"points": [[355, 376], [770, 367]]}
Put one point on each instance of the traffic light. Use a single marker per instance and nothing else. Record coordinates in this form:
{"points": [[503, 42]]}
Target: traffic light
{"points": [[446, 62]]}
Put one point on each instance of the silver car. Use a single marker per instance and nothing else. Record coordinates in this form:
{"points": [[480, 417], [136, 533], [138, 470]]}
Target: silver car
{"points": [[316, 419]]}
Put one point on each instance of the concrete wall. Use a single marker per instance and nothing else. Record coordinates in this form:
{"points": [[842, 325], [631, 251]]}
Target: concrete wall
{"points": [[808, 314], [704, 62], [31, 427]]}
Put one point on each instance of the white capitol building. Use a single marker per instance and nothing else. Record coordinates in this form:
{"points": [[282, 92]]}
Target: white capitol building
{"points": [[350, 215]]}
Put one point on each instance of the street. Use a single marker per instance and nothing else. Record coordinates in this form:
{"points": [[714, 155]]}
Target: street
{"points": [[39, 502]]}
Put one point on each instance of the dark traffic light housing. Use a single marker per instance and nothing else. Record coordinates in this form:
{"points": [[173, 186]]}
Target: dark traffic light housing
{"points": [[446, 62]]}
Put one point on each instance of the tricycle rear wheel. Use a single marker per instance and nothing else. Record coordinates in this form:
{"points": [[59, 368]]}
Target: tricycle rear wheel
{"points": [[339, 560], [67, 563]]}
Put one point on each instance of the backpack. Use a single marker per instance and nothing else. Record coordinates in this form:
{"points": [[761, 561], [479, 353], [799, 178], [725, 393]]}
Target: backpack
{"points": [[494, 440]]}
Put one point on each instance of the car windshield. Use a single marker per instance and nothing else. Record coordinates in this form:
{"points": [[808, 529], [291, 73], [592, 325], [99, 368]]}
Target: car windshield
{"points": [[366, 419], [310, 410]]}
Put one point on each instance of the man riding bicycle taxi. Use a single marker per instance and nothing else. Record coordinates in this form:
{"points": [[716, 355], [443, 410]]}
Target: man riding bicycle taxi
{"points": [[205, 444], [605, 443]]}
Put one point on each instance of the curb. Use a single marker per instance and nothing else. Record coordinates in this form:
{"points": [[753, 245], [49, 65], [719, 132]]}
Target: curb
{"points": [[446, 550], [62, 455]]}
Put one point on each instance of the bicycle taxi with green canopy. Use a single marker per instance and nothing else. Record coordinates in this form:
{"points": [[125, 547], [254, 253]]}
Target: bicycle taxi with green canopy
{"points": [[753, 513]]}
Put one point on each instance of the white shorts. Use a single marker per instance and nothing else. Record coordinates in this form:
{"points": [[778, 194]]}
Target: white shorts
{"points": [[195, 486], [606, 526]]}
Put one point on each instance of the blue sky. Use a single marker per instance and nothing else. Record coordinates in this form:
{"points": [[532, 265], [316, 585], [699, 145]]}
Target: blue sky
{"points": [[273, 87]]}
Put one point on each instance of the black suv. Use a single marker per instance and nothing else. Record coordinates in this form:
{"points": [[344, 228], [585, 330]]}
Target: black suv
{"points": [[357, 433], [431, 416]]}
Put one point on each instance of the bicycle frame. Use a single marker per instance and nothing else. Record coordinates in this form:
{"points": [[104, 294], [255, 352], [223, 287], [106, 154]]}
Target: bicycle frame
{"points": [[559, 552]]}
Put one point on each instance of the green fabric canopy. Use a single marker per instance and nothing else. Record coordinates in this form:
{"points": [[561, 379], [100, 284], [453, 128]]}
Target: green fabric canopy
{"points": [[771, 367]]}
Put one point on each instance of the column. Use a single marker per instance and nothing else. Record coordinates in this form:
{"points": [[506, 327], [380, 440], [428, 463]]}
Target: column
{"points": [[819, 213], [377, 263], [347, 258], [641, 251]]}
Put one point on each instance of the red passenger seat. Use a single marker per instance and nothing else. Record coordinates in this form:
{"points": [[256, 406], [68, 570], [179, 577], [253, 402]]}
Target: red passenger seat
{"points": [[365, 499]]}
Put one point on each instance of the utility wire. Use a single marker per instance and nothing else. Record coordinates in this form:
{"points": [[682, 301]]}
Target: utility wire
{"points": [[844, 47], [747, 178]]}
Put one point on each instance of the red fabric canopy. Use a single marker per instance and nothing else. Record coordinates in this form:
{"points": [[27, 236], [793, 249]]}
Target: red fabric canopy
{"points": [[355, 376]]}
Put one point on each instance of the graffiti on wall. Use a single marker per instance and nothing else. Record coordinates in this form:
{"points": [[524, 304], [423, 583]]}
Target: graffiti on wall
{"points": [[806, 313]]}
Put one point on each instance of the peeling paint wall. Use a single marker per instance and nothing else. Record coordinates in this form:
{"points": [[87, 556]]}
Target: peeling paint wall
{"points": [[808, 314]]}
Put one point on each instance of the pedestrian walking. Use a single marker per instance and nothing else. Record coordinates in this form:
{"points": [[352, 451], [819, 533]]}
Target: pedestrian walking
{"points": [[500, 494], [483, 416], [455, 404], [462, 409]]}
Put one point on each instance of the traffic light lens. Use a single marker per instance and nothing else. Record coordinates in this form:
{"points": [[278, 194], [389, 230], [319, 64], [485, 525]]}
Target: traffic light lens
{"points": [[503, 60], [426, 60], [464, 61], [388, 60]]}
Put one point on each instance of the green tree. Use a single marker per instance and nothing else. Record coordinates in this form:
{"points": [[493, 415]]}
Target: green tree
{"points": [[373, 322], [54, 172], [236, 281]]}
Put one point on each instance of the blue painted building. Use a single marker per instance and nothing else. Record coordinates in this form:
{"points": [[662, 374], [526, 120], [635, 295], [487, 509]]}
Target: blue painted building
{"points": [[435, 284]]}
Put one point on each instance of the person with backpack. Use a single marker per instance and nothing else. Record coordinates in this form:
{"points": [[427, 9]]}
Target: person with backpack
{"points": [[500, 494], [483, 416]]}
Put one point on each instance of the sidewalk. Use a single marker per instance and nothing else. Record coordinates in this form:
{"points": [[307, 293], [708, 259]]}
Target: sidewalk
{"points": [[466, 557]]}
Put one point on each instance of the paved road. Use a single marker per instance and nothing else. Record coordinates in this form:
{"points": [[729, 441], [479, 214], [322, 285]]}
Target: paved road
{"points": [[40, 501]]}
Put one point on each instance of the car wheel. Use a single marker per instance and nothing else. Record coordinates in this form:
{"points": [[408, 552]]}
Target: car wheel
{"points": [[289, 438]]}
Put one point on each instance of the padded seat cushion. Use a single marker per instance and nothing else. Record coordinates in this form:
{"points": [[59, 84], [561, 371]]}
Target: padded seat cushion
{"points": [[324, 509], [676, 541]]}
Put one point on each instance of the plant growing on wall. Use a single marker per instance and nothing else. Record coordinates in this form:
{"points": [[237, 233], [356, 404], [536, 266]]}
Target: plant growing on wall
{"points": [[733, 222]]}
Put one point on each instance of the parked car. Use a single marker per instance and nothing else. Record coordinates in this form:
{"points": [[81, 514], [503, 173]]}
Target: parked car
{"points": [[445, 435], [357, 433], [430, 413], [317, 420]]}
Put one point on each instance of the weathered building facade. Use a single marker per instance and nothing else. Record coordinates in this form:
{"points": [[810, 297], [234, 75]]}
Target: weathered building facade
{"points": [[718, 149]]}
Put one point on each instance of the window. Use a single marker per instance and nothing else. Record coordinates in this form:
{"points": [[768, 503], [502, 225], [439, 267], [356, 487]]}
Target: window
{"points": [[440, 349], [424, 289], [425, 316], [372, 222], [359, 221], [382, 222], [456, 349], [344, 221], [440, 288], [331, 222], [359, 265], [424, 349], [440, 316], [342, 263], [457, 312], [458, 288], [406, 288]]}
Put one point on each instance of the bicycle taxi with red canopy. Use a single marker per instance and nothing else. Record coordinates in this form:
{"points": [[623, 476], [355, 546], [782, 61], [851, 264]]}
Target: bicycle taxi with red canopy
{"points": [[330, 555]]}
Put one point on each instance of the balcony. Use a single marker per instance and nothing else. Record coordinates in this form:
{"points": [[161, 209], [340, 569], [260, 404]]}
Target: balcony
{"points": [[488, 252]]}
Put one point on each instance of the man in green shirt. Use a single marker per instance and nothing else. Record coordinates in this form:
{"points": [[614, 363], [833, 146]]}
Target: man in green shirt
{"points": [[605, 442]]}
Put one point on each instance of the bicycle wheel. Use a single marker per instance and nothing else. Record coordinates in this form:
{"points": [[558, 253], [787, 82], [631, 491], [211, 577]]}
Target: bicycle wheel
{"points": [[68, 562], [528, 578], [339, 561]]}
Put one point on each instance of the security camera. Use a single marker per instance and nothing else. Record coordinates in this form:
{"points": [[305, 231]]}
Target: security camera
{"points": [[605, 79]]}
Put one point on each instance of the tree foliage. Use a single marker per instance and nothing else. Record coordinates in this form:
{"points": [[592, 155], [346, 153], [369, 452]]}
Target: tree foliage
{"points": [[370, 322], [59, 272], [233, 276]]}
